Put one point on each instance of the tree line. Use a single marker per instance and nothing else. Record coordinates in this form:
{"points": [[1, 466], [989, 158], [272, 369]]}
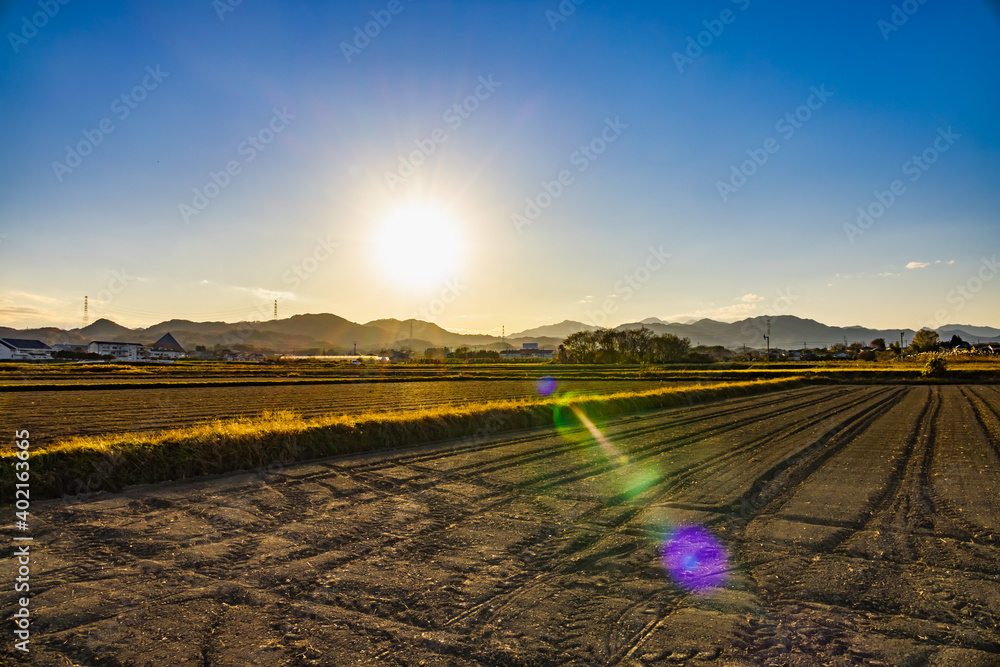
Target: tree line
{"points": [[614, 346]]}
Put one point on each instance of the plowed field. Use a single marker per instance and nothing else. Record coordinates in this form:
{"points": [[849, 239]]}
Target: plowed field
{"points": [[848, 526]]}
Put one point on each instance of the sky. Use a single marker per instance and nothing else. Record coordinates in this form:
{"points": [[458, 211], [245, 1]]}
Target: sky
{"points": [[500, 164]]}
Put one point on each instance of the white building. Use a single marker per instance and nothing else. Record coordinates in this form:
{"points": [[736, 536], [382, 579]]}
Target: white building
{"points": [[20, 349], [119, 351], [165, 348]]}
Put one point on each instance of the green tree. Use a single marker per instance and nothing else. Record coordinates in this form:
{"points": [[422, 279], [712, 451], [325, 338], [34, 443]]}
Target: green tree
{"points": [[926, 340]]}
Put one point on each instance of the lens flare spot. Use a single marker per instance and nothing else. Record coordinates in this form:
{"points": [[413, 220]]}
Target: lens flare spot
{"points": [[546, 386], [562, 414], [695, 559]]}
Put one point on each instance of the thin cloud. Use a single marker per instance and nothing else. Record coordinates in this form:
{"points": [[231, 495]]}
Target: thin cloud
{"points": [[918, 265], [33, 297], [751, 298]]}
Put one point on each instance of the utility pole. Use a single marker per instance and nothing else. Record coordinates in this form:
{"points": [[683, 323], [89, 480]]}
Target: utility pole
{"points": [[355, 347], [900, 343], [768, 337]]}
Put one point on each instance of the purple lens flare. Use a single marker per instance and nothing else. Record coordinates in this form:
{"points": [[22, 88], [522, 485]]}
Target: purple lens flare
{"points": [[695, 559], [546, 386]]}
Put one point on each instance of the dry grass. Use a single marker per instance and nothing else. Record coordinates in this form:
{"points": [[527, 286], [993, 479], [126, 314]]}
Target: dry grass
{"points": [[268, 441]]}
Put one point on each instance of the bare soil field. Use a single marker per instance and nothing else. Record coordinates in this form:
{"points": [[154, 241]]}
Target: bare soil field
{"points": [[50, 415], [831, 526]]}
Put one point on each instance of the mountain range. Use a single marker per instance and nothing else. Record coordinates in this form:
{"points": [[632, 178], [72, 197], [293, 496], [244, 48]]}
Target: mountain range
{"points": [[336, 335]]}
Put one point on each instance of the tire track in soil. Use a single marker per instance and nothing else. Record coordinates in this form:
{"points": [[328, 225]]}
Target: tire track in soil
{"points": [[801, 467], [770, 639], [567, 560], [575, 546], [974, 411], [497, 604], [902, 519]]}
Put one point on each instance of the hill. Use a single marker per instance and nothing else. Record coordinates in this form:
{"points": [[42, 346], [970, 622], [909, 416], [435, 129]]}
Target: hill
{"points": [[336, 335]]}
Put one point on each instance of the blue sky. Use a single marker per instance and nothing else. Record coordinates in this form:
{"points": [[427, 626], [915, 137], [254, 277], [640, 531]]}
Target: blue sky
{"points": [[644, 129]]}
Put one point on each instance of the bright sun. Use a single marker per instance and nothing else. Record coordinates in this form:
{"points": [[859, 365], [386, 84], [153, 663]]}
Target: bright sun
{"points": [[418, 245]]}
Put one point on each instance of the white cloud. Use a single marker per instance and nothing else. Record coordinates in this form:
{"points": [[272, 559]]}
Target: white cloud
{"points": [[737, 309], [924, 265], [268, 294], [32, 297], [751, 298]]}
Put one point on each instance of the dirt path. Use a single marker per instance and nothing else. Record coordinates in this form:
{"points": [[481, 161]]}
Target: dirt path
{"points": [[857, 526]]}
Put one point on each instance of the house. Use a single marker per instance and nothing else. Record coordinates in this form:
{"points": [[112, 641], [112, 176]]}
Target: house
{"points": [[20, 349], [165, 348], [117, 350]]}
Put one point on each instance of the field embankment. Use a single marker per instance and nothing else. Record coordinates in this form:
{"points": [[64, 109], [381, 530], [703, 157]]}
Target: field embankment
{"points": [[94, 463]]}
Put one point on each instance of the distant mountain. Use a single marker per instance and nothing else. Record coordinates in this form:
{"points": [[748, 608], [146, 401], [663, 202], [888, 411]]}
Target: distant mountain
{"points": [[104, 329], [790, 332], [561, 330], [967, 332], [336, 335]]}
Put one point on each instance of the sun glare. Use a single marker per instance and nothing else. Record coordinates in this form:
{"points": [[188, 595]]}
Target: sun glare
{"points": [[418, 246]]}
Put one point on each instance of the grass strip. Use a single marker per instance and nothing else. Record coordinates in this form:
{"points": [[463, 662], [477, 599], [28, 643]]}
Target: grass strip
{"points": [[274, 439]]}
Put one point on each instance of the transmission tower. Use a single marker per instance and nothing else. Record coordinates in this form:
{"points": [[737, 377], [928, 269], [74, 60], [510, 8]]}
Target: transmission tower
{"points": [[275, 310], [86, 312]]}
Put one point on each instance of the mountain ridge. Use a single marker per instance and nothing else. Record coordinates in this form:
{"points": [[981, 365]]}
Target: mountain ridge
{"points": [[334, 334]]}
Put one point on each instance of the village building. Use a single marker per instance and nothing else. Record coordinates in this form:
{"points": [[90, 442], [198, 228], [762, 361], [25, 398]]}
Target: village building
{"points": [[20, 349]]}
